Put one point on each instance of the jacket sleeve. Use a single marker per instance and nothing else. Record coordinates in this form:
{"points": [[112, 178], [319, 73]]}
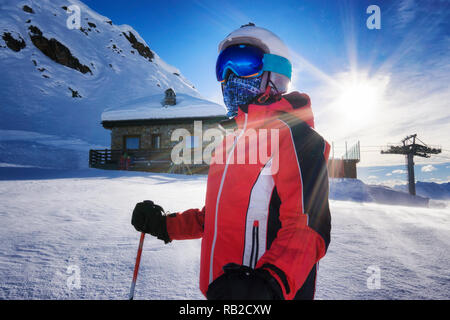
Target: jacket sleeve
{"points": [[186, 225], [301, 181]]}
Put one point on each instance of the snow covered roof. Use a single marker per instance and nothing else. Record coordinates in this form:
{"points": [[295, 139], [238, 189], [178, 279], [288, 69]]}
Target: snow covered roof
{"points": [[152, 108]]}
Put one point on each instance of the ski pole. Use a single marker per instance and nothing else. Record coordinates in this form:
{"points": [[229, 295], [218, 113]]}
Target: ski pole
{"points": [[136, 266]]}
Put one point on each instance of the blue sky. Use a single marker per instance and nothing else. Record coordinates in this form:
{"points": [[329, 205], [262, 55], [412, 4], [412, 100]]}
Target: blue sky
{"points": [[375, 86]]}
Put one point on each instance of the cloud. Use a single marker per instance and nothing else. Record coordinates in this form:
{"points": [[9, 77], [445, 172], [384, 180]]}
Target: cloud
{"points": [[392, 183], [436, 180], [428, 168], [388, 174], [406, 12], [399, 171], [372, 177]]}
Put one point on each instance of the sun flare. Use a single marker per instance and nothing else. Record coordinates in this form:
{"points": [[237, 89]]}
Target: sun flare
{"points": [[358, 98]]}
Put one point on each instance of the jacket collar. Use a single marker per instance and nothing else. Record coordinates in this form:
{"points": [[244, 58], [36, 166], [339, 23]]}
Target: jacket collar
{"points": [[257, 113]]}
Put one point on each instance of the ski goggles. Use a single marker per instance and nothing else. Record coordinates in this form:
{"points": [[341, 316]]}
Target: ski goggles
{"points": [[247, 61]]}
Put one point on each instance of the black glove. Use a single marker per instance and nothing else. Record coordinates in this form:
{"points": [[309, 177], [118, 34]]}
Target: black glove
{"points": [[244, 283], [149, 218]]}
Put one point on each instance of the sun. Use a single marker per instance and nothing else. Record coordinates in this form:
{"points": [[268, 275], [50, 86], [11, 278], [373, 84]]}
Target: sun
{"points": [[358, 98]]}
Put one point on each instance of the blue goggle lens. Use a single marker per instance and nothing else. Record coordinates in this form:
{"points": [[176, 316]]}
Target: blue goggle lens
{"points": [[243, 60]]}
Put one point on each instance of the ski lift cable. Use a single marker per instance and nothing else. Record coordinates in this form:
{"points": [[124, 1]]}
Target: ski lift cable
{"points": [[442, 157], [422, 142]]}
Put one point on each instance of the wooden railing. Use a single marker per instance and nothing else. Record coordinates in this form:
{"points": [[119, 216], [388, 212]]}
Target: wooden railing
{"points": [[99, 158], [141, 160], [107, 156]]}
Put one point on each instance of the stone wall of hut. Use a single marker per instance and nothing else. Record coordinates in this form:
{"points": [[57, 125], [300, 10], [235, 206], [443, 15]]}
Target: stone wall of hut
{"points": [[145, 132]]}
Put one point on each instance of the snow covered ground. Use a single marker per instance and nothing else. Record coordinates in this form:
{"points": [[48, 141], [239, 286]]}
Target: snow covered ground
{"points": [[56, 225]]}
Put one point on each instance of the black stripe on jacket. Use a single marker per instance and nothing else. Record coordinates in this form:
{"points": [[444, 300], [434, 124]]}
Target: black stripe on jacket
{"points": [[309, 146]]}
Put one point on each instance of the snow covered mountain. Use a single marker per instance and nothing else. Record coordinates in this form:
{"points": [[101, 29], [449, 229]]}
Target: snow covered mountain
{"points": [[358, 191], [432, 190], [57, 78]]}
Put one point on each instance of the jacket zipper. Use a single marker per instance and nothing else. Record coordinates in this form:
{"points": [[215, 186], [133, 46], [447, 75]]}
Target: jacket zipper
{"points": [[255, 245], [218, 199]]}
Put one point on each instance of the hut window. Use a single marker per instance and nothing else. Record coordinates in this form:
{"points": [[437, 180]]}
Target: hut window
{"points": [[156, 141], [132, 142]]}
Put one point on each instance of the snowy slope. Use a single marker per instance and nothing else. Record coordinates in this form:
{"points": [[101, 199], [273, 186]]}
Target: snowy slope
{"points": [[55, 222], [103, 65], [356, 190]]}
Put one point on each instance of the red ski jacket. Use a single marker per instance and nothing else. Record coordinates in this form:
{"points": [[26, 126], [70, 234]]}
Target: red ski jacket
{"points": [[271, 213]]}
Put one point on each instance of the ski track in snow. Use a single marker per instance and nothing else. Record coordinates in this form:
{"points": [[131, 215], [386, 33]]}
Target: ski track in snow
{"points": [[82, 219]]}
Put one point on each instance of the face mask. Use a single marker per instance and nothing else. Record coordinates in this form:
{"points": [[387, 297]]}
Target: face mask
{"points": [[239, 91]]}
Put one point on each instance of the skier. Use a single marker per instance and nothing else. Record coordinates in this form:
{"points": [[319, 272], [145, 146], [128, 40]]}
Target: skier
{"points": [[264, 226]]}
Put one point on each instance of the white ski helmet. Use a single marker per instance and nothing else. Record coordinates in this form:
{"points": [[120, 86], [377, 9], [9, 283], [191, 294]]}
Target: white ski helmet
{"points": [[266, 41]]}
